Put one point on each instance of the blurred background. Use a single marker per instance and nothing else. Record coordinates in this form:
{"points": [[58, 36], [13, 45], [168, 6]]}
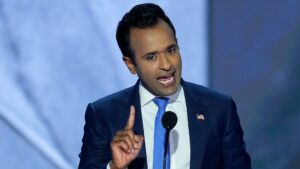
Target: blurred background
{"points": [[57, 56]]}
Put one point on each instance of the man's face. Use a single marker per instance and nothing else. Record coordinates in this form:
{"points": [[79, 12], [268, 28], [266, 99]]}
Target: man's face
{"points": [[157, 58]]}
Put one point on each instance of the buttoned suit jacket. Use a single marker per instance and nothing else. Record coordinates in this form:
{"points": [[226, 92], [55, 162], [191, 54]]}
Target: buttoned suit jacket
{"points": [[216, 141]]}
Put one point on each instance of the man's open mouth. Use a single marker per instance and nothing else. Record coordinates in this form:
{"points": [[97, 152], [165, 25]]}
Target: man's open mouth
{"points": [[167, 80]]}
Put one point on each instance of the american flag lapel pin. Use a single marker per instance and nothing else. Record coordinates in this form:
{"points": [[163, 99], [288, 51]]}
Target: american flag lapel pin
{"points": [[200, 116]]}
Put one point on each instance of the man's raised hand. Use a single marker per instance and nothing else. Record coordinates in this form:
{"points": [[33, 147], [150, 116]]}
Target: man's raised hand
{"points": [[125, 145]]}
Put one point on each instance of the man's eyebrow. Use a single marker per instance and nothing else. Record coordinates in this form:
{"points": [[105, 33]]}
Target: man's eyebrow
{"points": [[150, 53], [172, 46]]}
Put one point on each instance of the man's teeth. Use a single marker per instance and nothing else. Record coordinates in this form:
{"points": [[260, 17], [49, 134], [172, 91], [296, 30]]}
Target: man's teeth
{"points": [[166, 80]]}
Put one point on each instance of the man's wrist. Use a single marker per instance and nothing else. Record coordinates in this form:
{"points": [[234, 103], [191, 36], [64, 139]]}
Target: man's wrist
{"points": [[111, 165]]}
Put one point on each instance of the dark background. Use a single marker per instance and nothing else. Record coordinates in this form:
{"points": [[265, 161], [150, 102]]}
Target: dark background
{"points": [[254, 51]]}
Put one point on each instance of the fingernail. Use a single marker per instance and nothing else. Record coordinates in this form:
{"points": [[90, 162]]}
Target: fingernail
{"points": [[135, 145]]}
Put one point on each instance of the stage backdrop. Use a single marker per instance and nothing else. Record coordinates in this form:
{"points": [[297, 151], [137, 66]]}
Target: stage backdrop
{"points": [[56, 56]]}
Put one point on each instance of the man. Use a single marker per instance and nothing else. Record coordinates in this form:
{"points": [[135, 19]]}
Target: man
{"points": [[123, 130]]}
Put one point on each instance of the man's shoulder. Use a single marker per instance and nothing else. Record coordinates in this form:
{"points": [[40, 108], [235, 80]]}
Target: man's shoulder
{"points": [[204, 93], [108, 109]]}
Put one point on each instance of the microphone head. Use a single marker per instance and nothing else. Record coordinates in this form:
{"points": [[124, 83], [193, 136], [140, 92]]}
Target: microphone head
{"points": [[169, 120]]}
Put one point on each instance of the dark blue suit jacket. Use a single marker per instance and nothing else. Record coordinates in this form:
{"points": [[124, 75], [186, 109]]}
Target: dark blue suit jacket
{"points": [[216, 142]]}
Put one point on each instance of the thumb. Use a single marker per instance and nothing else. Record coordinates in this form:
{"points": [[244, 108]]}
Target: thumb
{"points": [[140, 143]]}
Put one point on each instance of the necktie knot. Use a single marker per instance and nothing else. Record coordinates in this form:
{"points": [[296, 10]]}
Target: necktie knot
{"points": [[161, 102]]}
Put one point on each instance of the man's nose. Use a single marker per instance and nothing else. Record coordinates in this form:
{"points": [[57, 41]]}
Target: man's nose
{"points": [[165, 63]]}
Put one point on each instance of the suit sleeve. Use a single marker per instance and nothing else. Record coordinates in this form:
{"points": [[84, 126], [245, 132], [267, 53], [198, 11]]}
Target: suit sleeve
{"points": [[233, 145], [95, 150]]}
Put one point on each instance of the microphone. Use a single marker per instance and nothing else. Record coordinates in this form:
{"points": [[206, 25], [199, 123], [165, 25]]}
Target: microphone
{"points": [[169, 121]]}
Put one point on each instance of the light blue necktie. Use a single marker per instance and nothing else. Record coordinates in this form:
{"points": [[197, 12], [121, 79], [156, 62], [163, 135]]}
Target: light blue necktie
{"points": [[159, 135]]}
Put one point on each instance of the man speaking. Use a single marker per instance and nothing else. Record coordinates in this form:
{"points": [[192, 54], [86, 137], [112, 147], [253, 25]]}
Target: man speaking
{"points": [[125, 130]]}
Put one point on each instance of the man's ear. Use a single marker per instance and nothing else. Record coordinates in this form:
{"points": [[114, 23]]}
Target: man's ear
{"points": [[130, 65]]}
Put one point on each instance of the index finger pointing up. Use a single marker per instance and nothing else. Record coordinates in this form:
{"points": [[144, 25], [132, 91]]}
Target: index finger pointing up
{"points": [[130, 121]]}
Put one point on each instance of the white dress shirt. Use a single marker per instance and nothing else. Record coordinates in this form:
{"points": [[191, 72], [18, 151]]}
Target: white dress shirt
{"points": [[179, 139]]}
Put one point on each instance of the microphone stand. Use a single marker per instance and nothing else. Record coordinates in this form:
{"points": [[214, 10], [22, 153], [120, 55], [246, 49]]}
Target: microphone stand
{"points": [[166, 147], [169, 121]]}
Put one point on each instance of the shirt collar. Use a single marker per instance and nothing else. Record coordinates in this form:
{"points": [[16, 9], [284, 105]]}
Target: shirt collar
{"points": [[146, 96]]}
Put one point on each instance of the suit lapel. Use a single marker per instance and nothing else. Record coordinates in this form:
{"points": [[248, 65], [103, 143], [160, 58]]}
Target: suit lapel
{"points": [[197, 126]]}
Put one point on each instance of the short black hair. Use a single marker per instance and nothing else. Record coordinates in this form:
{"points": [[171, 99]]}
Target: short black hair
{"points": [[140, 16]]}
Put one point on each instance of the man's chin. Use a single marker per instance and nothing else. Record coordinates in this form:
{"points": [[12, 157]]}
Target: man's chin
{"points": [[167, 91]]}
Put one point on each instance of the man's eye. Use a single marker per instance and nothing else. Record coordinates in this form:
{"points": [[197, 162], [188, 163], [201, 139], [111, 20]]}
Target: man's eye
{"points": [[151, 57], [171, 50]]}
